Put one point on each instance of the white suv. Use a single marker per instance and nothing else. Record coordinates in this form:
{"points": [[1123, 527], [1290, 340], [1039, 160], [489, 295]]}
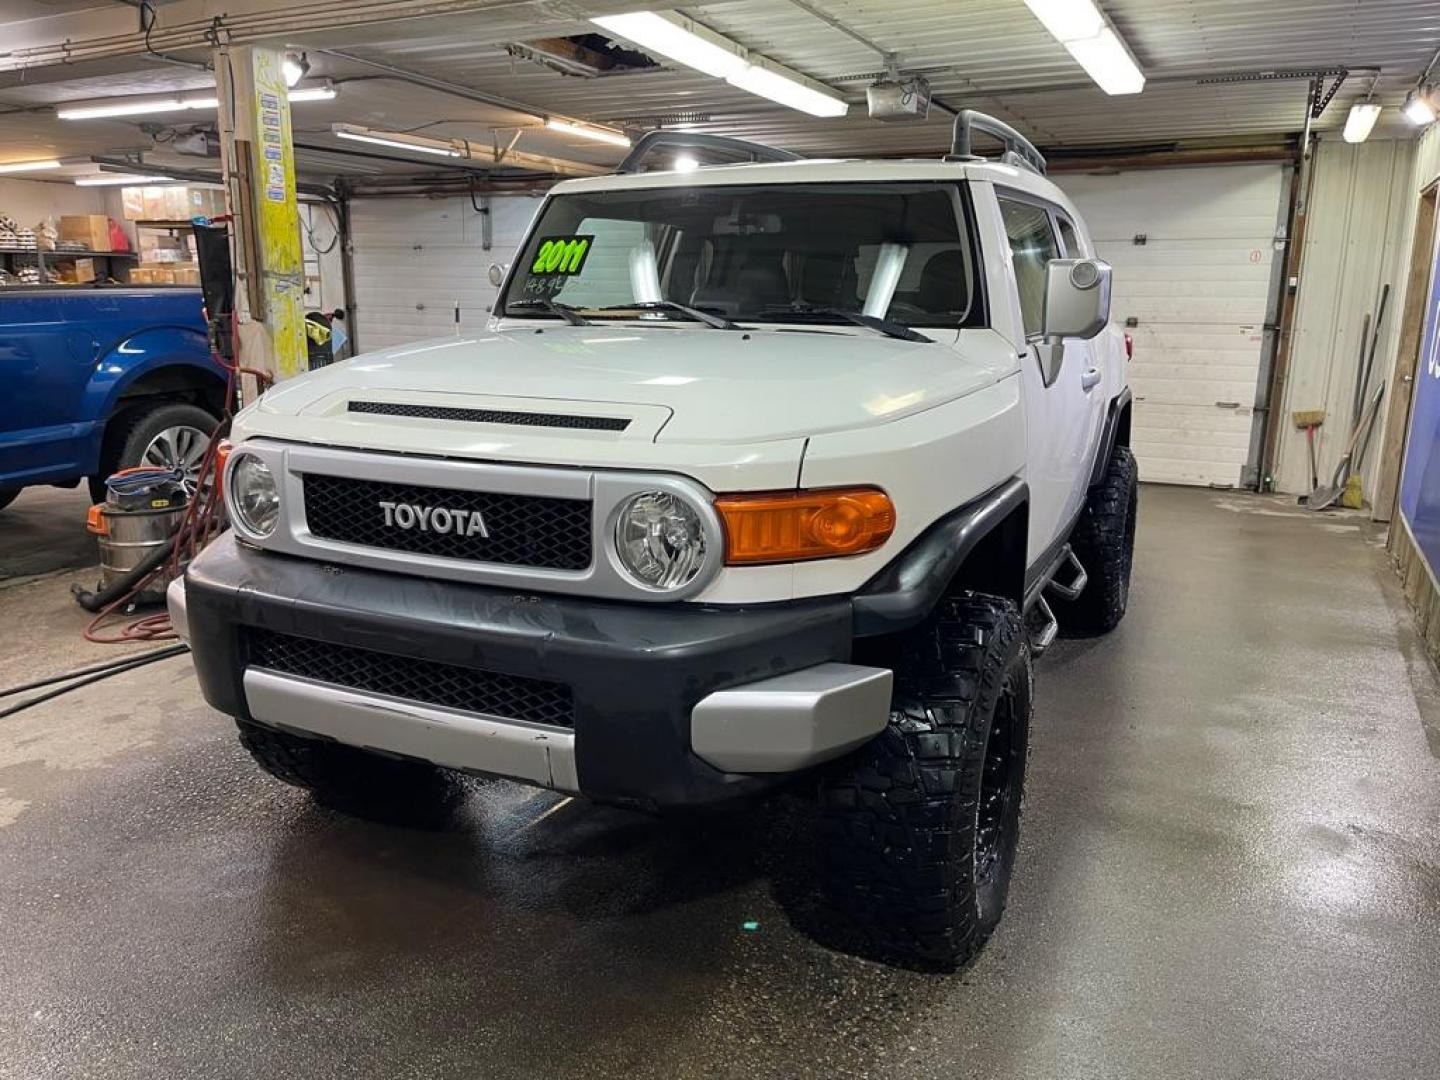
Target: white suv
{"points": [[762, 472]]}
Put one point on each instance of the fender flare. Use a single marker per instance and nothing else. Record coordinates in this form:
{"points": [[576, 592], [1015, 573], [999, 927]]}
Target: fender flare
{"points": [[905, 592], [1118, 404]]}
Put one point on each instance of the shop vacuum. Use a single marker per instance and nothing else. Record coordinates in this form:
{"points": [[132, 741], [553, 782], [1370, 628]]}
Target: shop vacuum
{"points": [[135, 528]]}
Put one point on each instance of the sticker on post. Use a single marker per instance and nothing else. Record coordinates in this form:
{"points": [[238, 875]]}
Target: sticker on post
{"points": [[561, 255], [275, 194]]}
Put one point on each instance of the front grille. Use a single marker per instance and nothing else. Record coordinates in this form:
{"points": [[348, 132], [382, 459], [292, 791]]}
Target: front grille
{"points": [[520, 530], [492, 416], [510, 697]]}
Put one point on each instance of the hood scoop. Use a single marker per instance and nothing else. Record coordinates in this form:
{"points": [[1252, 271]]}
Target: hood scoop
{"points": [[491, 416]]}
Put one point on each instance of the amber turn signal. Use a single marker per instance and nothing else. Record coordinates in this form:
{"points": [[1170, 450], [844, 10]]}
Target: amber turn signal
{"points": [[222, 455], [791, 526]]}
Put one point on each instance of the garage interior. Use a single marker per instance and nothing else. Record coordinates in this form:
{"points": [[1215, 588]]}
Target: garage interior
{"points": [[1230, 863]]}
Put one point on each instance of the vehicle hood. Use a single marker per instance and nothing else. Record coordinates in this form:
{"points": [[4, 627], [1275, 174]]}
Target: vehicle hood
{"points": [[676, 383]]}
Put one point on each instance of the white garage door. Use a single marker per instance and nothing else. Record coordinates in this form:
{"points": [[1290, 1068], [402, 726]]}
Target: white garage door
{"points": [[1198, 287], [416, 259]]}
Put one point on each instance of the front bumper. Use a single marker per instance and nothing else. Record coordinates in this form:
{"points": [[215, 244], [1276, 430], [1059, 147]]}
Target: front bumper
{"points": [[674, 705]]}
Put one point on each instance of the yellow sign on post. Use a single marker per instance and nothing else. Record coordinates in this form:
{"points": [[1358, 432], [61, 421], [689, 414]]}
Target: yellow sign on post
{"points": [[269, 263]]}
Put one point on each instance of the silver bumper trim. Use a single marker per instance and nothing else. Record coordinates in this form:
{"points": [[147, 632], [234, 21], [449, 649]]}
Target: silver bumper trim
{"points": [[175, 604], [534, 753], [791, 721]]}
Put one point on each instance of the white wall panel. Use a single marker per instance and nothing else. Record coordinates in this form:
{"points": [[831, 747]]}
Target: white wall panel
{"points": [[417, 258], [1356, 241], [1199, 288]]}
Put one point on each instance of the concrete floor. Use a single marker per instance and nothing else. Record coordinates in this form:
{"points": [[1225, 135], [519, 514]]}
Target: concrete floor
{"points": [[43, 530], [1230, 868]]}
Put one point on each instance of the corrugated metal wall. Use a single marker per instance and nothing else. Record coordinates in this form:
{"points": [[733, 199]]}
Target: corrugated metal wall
{"points": [[1356, 240]]}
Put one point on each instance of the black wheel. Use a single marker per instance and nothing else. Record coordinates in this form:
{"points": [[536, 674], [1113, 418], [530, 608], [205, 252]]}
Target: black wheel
{"points": [[8, 495], [1104, 542], [921, 824], [164, 434], [357, 782]]}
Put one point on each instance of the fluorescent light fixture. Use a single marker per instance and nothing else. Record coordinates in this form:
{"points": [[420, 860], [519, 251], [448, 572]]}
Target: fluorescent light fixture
{"points": [[1086, 34], [686, 163], [396, 140], [293, 67], [679, 39], [1417, 107], [115, 179], [1361, 121], [28, 166], [589, 131], [787, 91], [323, 92], [173, 103], [687, 42]]}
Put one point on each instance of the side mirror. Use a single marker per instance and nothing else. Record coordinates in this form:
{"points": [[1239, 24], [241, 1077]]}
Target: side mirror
{"points": [[1077, 305], [496, 274]]}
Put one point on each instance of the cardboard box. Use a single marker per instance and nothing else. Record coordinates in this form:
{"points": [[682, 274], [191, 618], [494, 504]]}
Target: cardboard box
{"points": [[92, 230], [139, 275], [132, 203], [84, 270], [153, 201], [186, 275]]}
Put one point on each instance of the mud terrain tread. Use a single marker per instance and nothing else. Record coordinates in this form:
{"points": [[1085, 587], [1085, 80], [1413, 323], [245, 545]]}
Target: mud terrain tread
{"points": [[1104, 542], [899, 818]]}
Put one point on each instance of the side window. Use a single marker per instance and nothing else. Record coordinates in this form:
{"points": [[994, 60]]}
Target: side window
{"points": [[1069, 238], [1032, 245]]}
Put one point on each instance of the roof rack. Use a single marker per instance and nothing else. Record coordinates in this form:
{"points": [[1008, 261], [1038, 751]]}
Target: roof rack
{"points": [[1019, 150], [653, 141]]}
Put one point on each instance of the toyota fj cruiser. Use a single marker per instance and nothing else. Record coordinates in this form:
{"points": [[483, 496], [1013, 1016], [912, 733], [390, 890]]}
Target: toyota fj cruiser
{"points": [[767, 471]]}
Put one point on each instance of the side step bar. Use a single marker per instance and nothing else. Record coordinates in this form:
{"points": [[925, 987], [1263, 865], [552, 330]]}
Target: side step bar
{"points": [[1040, 619]]}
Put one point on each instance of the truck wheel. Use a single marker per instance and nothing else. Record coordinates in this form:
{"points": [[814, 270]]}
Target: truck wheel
{"points": [[166, 434], [8, 495], [354, 781], [1104, 542], [921, 824]]}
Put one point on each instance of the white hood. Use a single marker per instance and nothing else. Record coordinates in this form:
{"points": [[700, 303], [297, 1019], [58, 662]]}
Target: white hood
{"points": [[673, 383]]}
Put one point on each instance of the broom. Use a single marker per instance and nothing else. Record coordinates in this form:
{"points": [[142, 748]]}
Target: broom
{"points": [[1307, 422]]}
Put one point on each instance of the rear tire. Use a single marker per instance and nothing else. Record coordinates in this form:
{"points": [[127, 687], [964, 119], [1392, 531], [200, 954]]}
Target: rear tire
{"points": [[921, 824], [1104, 542], [133, 432], [357, 782]]}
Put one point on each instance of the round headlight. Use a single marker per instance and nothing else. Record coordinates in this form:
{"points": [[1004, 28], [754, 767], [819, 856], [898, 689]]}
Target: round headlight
{"points": [[660, 540], [253, 498]]}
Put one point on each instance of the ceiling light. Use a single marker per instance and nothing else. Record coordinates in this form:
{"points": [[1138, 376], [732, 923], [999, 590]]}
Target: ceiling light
{"points": [[1418, 108], [1086, 34], [28, 166], [396, 140], [172, 103], [686, 163], [679, 39], [687, 42], [589, 131], [1361, 121], [787, 91], [293, 67], [322, 92], [115, 179]]}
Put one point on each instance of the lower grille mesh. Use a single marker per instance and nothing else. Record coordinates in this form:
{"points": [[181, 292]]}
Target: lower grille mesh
{"points": [[511, 697]]}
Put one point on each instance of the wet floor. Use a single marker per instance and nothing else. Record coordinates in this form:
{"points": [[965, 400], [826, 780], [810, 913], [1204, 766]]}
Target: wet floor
{"points": [[1230, 868]]}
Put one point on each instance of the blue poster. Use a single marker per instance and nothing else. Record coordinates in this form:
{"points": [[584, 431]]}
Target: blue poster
{"points": [[1420, 486]]}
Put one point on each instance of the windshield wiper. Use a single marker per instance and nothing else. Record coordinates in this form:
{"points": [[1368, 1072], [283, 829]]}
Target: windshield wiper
{"points": [[719, 322], [870, 322], [554, 307]]}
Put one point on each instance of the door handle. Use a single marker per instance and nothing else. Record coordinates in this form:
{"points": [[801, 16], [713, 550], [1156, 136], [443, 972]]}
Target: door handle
{"points": [[1089, 379]]}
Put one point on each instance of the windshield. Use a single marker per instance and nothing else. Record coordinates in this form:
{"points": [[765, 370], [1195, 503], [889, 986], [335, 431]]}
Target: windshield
{"points": [[797, 253]]}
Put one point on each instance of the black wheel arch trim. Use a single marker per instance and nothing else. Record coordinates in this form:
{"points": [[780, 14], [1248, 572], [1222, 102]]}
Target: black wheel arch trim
{"points": [[907, 589], [1118, 404]]}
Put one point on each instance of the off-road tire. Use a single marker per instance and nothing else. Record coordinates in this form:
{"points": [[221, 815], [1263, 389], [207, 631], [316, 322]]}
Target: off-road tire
{"points": [[920, 835], [356, 782], [8, 495], [130, 432], [1104, 542]]}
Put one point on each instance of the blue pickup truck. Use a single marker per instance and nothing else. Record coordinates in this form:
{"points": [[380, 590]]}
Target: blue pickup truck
{"points": [[96, 380]]}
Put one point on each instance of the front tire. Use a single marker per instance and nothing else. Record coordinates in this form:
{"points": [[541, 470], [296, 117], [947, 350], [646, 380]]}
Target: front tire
{"points": [[921, 824], [1104, 542], [357, 782]]}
